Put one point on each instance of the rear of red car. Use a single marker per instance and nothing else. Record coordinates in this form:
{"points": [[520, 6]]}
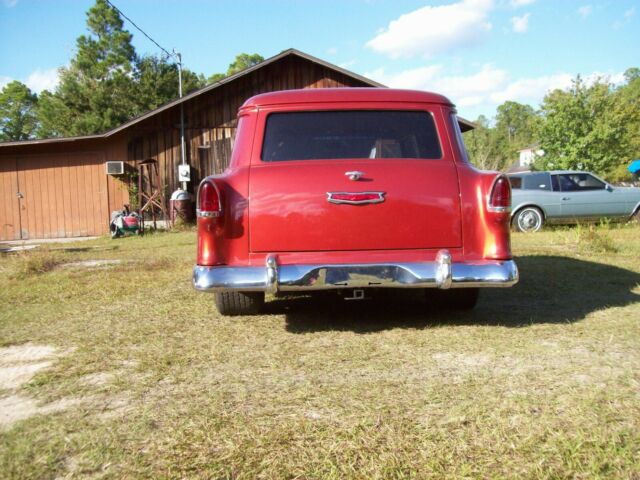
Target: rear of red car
{"points": [[350, 189]]}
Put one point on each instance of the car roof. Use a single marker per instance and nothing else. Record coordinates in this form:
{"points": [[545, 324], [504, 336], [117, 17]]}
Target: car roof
{"points": [[321, 95], [553, 172]]}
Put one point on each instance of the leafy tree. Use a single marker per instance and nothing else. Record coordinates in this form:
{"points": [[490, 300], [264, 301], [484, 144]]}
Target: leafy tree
{"points": [[96, 91], [241, 62], [157, 82], [17, 112], [582, 129], [517, 123], [627, 112], [483, 146]]}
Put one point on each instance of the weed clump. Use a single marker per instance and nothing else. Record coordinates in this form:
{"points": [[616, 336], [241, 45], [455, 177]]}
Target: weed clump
{"points": [[36, 263], [592, 239]]}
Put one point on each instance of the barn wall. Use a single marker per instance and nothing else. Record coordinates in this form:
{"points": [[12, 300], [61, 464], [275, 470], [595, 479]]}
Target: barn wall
{"points": [[67, 191], [210, 119], [64, 186]]}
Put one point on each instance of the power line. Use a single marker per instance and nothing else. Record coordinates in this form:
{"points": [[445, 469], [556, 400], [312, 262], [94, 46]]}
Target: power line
{"points": [[178, 59], [140, 30]]}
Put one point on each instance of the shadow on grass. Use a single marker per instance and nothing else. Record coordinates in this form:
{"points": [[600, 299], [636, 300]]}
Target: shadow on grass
{"points": [[551, 290]]}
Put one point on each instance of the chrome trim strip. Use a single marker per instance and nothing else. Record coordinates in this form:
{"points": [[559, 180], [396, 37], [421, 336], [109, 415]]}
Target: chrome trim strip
{"points": [[206, 214], [274, 278], [380, 198]]}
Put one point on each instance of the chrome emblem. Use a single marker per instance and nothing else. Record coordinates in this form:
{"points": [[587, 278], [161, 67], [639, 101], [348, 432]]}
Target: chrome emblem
{"points": [[355, 198], [354, 175]]}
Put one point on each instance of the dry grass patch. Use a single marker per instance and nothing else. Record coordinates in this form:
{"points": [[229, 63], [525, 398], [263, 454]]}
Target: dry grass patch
{"points": [[539, 381]]}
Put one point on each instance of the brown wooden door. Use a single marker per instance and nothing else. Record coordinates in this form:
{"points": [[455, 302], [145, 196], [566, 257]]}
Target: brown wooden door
{"points": [[63, 195], [9, 201]]}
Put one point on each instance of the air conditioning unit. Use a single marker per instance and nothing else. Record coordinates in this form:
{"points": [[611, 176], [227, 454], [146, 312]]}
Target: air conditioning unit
{"points": [[115, 168]]}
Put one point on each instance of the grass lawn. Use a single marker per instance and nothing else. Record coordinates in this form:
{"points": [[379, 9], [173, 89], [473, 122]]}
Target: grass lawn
{"points": [[121, 370]]}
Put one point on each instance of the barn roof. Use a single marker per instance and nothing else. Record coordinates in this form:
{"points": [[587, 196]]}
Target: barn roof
{"points": [[464, 124]]}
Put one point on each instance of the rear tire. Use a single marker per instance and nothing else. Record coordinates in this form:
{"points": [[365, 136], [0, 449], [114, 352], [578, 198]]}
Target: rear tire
{"points": [[239, 303], [528, 220], [455, 299]]}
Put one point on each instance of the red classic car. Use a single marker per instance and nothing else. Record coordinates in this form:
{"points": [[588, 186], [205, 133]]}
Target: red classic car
{"points": [[350, 190]]}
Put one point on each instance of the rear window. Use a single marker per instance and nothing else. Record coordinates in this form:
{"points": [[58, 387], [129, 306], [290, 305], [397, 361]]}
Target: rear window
{"points": [[350, 134]]}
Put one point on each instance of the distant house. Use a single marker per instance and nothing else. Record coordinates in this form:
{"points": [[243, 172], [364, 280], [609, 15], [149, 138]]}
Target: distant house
{"points": [[529, 154], [60, 187]]}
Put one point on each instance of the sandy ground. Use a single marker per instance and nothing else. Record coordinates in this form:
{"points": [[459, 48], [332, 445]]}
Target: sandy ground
{"points": [[18, 365]]}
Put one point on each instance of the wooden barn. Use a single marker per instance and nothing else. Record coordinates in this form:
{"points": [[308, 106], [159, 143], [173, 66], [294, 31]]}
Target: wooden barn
{"points": [[60, 187]]}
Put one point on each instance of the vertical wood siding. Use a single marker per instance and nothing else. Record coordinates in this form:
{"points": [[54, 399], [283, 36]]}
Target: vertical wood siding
{"points": [[9, 204], [63, 196]]}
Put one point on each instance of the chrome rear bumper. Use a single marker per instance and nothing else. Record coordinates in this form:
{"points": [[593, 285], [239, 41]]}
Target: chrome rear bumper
{"points": [[272, 278]]}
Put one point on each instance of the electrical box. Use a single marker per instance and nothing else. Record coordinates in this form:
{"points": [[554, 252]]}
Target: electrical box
{"points": [[184, 173], [115, 168]]}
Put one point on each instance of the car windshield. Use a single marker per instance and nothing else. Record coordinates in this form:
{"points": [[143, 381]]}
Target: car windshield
{"points": [[350, 134]]}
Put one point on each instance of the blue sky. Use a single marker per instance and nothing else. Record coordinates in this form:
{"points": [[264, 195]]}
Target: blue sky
{"points": [[478, 52]]}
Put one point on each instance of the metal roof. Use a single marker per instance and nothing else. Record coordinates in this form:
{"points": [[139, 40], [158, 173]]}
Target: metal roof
{"points": [[464, 124]]}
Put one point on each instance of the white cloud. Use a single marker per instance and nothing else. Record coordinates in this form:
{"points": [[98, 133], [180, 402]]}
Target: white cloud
{"points": [[4, 80], [521, 3], [630, 13], [464, 90], [485, 89], [520, 24], [37, 81], [585, 10], [431, 30], [332, 51], [40, 80], [9, 3]]}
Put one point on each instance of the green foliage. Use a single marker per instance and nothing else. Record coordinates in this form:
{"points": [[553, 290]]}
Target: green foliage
{"points": [[107, 83], [96, 92], [484, 146], [495, 148], [157, 82], [582, 129], [241, 62], [594, 127], [17, 112]]}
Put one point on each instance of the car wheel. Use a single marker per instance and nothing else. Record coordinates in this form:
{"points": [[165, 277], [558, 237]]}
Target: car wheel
{"points": [[239, 303], [528, 219], [456, 299]]}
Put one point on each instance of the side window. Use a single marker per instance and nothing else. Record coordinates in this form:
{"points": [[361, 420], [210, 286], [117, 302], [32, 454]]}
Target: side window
{"points": [[588, 182], [580, 182], [537, 181], [516, 182], [554, 183], [567, 184]]}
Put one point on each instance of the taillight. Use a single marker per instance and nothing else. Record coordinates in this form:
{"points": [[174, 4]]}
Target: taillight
{"points": [[500, 196], [209, 204]]}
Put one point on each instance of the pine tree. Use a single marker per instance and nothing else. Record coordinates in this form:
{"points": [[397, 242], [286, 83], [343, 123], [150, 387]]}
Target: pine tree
{"points": [[96, 91]]}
